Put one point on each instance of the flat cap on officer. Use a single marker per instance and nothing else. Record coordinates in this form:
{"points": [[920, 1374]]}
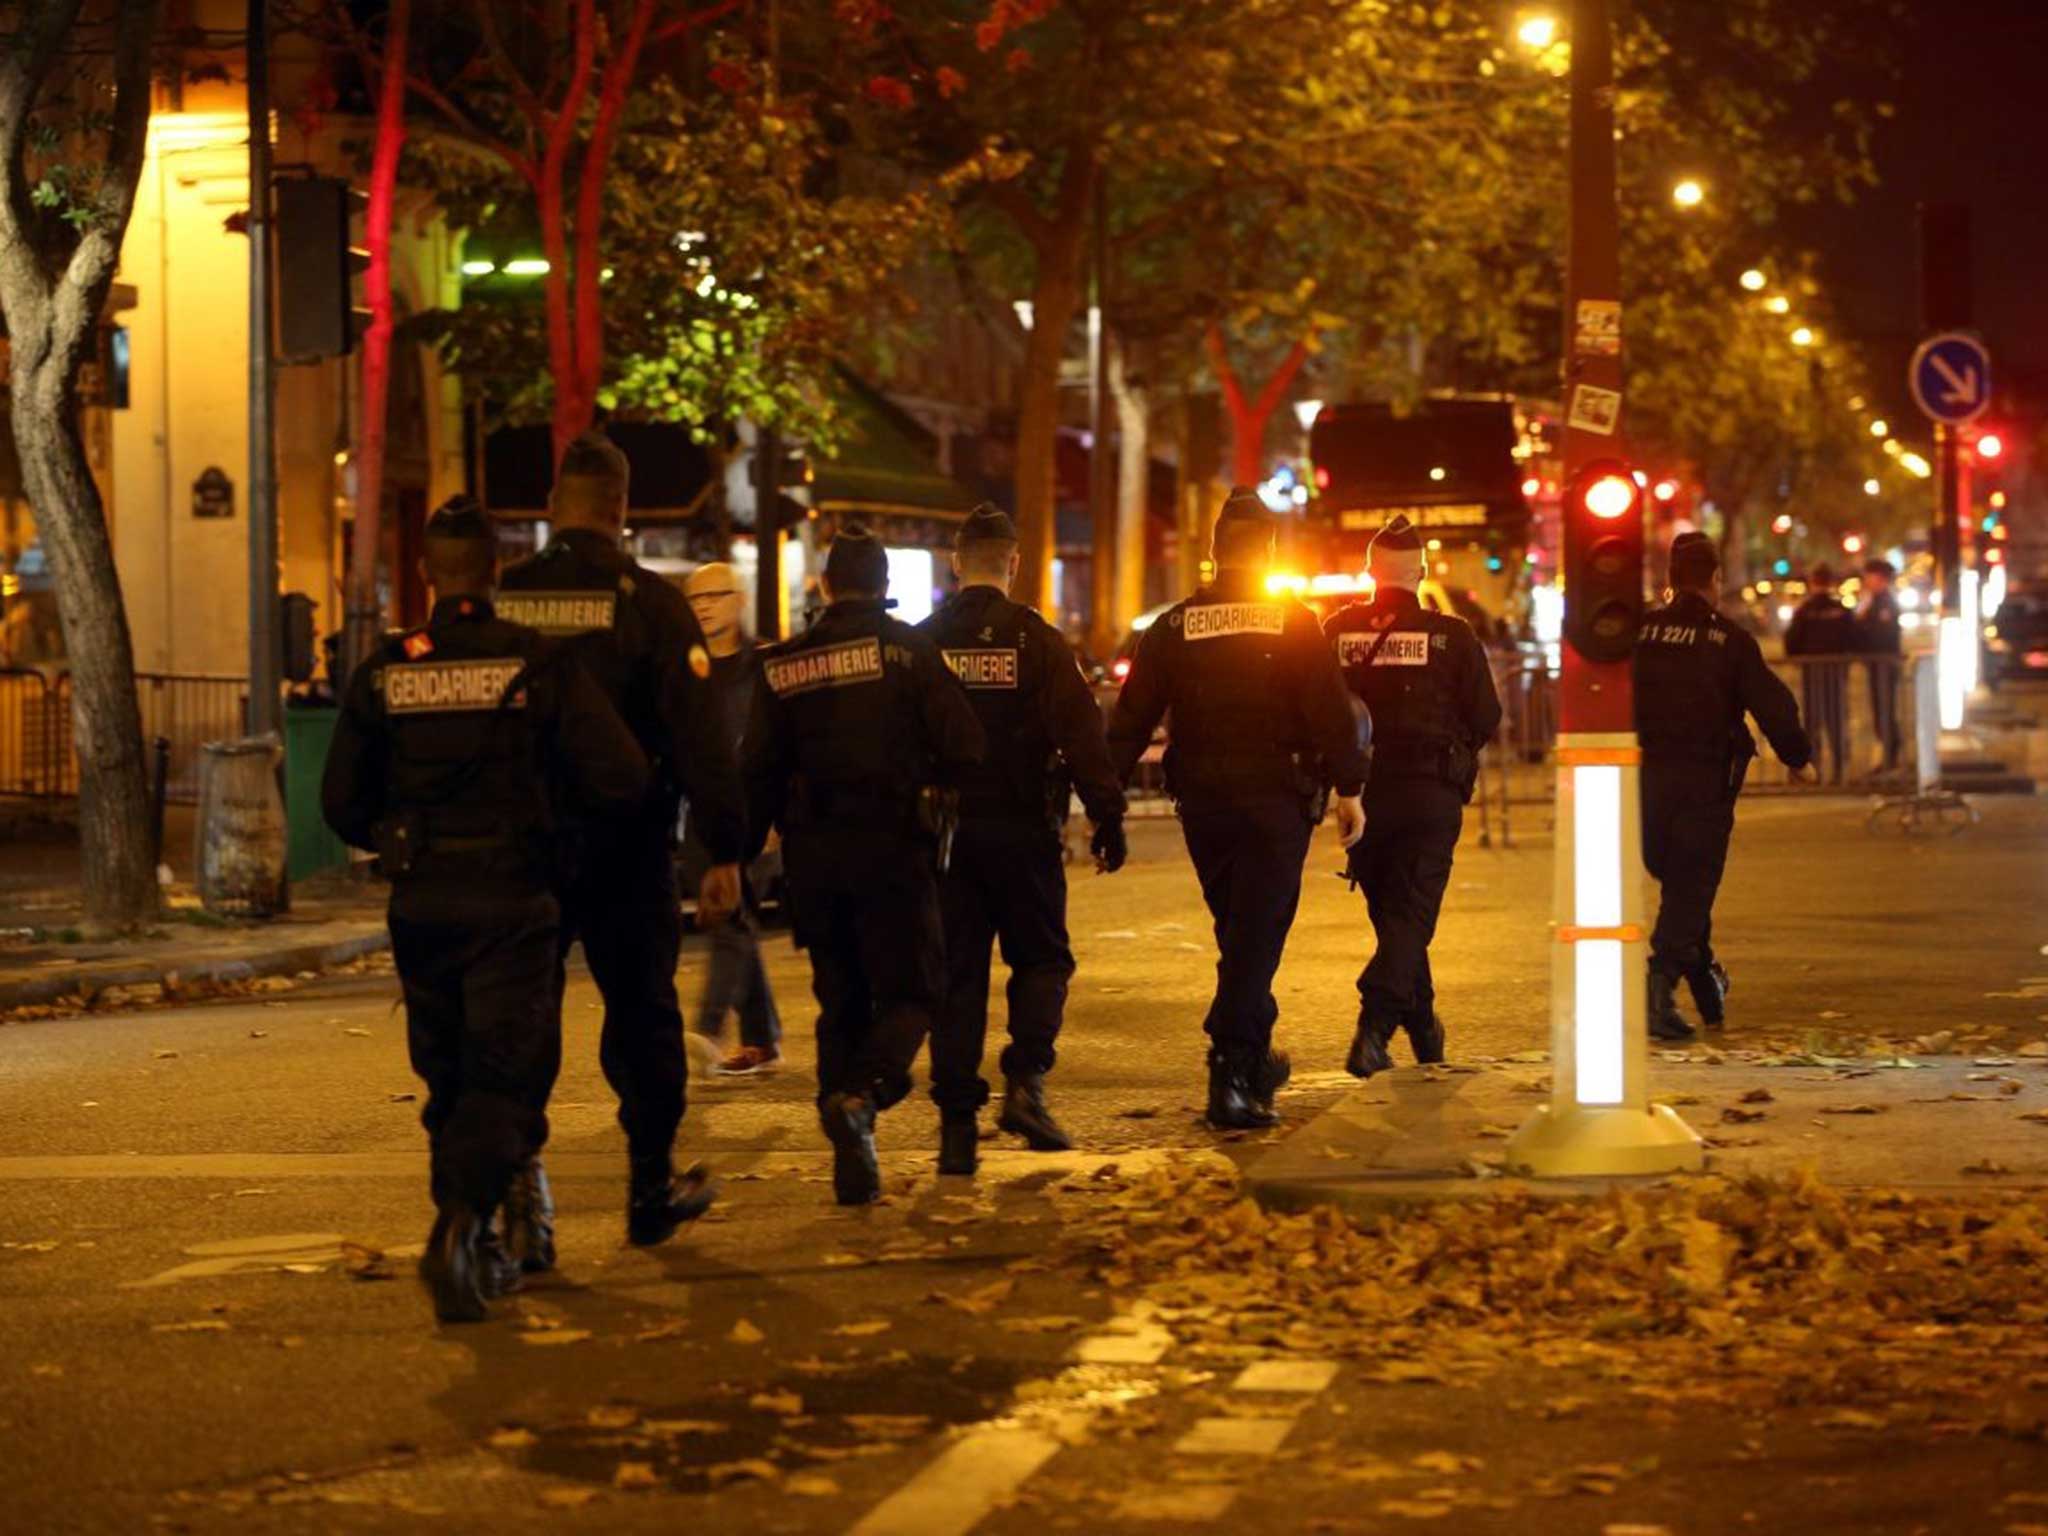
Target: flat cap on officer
{"points": [[1243, 505], [1397, 534], [1693, 556], [986, 524], [856, 561], [460, 517]]}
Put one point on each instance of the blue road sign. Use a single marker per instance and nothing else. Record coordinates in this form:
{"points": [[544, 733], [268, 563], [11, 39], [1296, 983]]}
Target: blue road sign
{"points": [[1951, 378]]}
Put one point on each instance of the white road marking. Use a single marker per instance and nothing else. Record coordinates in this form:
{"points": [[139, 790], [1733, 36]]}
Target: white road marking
{"points": [[952, 1494], [1183, 1505], [1286, 1376], [1234, 1437]]}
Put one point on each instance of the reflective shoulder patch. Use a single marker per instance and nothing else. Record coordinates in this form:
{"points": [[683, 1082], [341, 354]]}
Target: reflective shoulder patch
{"points": [[992, 668], [830, 666], [558, 613], [418, 645], [448, 687], [1213, 621]]}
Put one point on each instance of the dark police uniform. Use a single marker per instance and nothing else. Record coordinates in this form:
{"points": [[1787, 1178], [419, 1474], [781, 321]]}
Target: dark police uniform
{"points": [[1007, 878], [1823, 627], [1260, 725], [1696, 676], [860, 719], [1879, 631], [442, 757], [1424, 678], [637, 637]]}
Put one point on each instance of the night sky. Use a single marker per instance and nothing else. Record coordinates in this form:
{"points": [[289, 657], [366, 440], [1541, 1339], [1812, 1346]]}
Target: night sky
{"points": [[1972, 127]]}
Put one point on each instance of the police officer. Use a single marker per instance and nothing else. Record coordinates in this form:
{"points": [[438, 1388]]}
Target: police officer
{"points": [[1260, 726], [446, 743], [1696, 676], [1823, 634], [1425, 680], [1007, 880], [1879, 631], [637, 637], [862, 732]]}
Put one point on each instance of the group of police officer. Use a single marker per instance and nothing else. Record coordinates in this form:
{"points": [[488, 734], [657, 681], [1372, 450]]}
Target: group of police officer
{"points": [[516, 764]]}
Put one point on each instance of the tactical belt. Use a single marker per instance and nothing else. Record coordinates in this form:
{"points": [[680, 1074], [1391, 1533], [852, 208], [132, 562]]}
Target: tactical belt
{"points": [[484, 844]]}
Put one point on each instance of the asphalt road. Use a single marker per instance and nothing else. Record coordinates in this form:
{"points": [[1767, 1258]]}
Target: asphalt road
{"points": [[184, 1194]]}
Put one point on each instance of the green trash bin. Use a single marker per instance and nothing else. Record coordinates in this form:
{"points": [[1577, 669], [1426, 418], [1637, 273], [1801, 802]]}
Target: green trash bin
{"points": [[310, 847]]}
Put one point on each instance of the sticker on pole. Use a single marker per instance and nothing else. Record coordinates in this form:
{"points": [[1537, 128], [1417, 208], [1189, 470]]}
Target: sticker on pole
{"points": [[1951, 378], [1595, 410], [1598, 333]]}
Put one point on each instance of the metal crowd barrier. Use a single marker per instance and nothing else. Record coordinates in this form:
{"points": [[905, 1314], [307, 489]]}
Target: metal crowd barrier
{"points": [[37, 759]]}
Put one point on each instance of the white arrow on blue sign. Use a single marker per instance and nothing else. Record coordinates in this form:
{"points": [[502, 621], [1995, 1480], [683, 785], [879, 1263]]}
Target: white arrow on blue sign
{"points": [[1951, 378]]}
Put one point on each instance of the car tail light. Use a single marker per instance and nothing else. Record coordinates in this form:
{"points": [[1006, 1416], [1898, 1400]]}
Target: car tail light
{"points": [[2037, 658], [1121, 669]]}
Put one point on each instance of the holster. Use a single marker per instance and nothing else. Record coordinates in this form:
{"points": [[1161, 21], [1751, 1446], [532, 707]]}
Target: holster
{"points": [[938, 818], [1741, 755], [1313, 785], [1461, 769], [401, 839]]}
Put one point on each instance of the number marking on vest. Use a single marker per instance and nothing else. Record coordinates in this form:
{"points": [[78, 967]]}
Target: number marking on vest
{"points": [[1212, 621], [1671, 634], [984, 669], [448, 687], [559, 613], [832, 666]]}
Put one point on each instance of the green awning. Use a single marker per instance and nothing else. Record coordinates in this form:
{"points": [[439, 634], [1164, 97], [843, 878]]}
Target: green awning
{"points": [[888, 464]]}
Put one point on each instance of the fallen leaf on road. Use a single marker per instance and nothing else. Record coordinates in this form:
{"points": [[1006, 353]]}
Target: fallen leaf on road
{"points": [[513, 1439], [1734, 1116], [1635, 1530], [811, 1485], [404, 1098], [2039, 1116], [1413, 1509], [668, 1427], [1940, 1043], [635, 1474], [365, 1262], [980, 1301], [165, 1055], [546, 1336], [1852, 1109], [612, 1416], [788, 1404], [887, 1426], [2033, 1049], [198, 1325], [754, 1467], [744, 1332], [1450, 1463], [866, 1330], [1759, 1096], [567, 1498], [1988, 1166], [356, 1029], [1038, 1324], [662, 1331], [259, 1034], [1141, 1112]]}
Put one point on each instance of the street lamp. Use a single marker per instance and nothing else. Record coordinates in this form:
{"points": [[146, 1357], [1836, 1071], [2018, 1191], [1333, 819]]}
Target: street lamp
{"points": [[1754, 280], [1688, 193], [1778, 304], [1538, 31], [1880, 428], [1803, 337], [1871, 487]]}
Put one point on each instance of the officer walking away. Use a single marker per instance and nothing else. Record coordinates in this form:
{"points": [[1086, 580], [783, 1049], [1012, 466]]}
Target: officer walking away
{"points": [[1007, 882], [1426, 682], [1259, 726], [1696, 677], [1878, 623], [1823, 635], [635, 635], [735, 981], [448, 739], [863, 737]]}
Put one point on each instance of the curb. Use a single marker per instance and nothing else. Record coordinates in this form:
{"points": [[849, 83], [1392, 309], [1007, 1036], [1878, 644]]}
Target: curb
{"points": [[274, 962]]}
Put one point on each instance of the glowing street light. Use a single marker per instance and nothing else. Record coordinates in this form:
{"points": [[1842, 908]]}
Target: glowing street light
{"points": [[1778, 304], [1803, 337], [1538, 31], [1754, 280], [1688, 193], [1880, 428], [1871, 487], [1852, 544]]}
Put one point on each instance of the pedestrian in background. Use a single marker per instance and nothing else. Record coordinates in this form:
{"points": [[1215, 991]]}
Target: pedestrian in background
{"points": [[1007, 882], [1260, 727], [1427, 687], [1877, 622], [636, 636], [1823, 636], [1696, 677], [447, 742], [863, 737], [735, 981]]}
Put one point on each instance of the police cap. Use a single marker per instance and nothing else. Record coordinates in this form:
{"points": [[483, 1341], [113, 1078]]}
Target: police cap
{"points": [[1822, 575], [461, 517], [1877, 565], [856, 562], [1398, 534], [986, 524], [1243, 505], [1694, 558]]}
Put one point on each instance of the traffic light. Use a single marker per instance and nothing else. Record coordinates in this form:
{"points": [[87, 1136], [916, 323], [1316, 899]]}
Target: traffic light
{"points": [[1603, 561], [316, 266]]}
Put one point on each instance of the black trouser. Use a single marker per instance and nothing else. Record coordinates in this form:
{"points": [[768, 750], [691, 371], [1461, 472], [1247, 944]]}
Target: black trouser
{"points": [[1884, 706], [865, 903], [622, 905], [474, 957], [1825, 687], [1248, 850], [1688, 814], [1403, 864], [1007, 885]]}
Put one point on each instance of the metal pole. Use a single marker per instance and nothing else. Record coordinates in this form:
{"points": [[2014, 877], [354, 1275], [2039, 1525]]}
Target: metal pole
{"points": [[1101, 467], [767, 535], [1948, 506], [266, 663]]}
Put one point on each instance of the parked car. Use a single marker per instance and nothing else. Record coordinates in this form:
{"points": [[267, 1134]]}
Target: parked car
{"points": [[2016, 640]]}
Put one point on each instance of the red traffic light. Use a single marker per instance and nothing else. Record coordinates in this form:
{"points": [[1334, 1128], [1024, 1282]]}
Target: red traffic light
{"points": [[1609, 495], [1990, 446], [1603, 561]]}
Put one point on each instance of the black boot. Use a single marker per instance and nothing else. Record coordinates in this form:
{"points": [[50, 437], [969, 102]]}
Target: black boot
{"points": [[1666, 1022], [1233, 1105], [1369, 1047], [1270, 1076], [1425, 1037], [849, 1121], [451, 1266], [959, 1137], [529, 1211], [1024, 1114], [658, 1202], [1709, 988], [498, 1273]]}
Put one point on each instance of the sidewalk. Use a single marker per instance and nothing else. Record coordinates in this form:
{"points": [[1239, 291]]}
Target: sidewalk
{"points": [[1930, 1125]]}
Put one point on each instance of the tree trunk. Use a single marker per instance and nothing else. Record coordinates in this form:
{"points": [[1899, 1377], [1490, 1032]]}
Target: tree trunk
{"points": [[120, 890], [1133, 482], [365, 618], [1249, 415], [1055, 297]]}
